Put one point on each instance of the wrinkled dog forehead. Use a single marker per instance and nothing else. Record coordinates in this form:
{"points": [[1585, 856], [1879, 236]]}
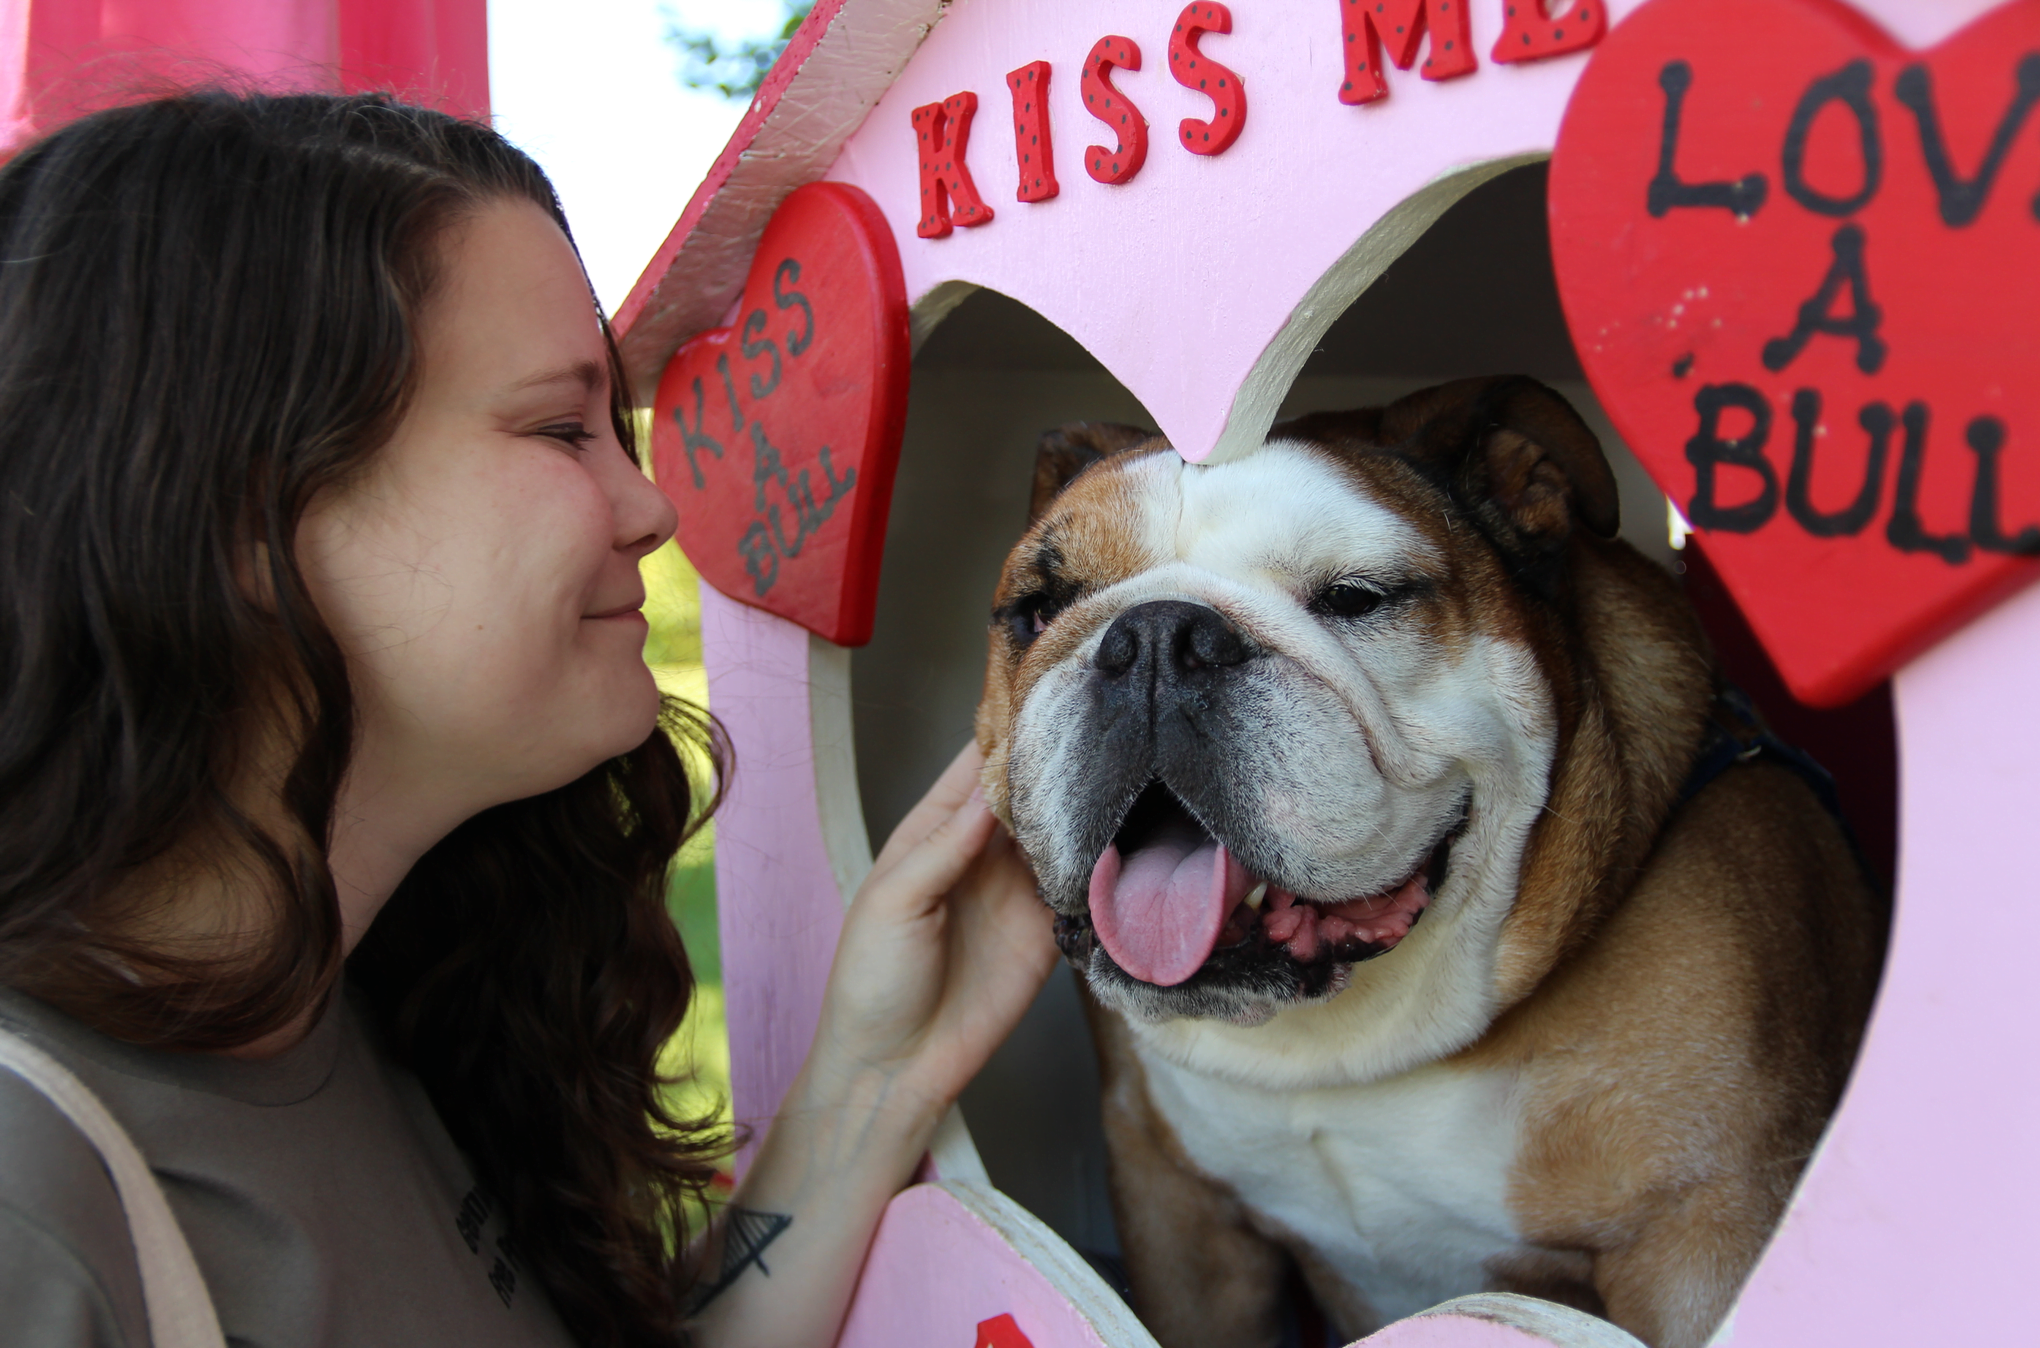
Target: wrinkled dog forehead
{"points": [[1286, 520]]}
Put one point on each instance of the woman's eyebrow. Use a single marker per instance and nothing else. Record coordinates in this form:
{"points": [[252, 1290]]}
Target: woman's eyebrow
{"points": [[587, 373]]}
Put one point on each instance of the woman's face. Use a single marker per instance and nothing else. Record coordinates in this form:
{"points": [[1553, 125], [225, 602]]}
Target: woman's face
{"points": [[483, 575]]}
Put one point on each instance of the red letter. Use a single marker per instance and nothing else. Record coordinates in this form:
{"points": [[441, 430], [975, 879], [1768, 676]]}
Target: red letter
{"points": [[1194, 70], [1001, 1331], [1030, 131], [1529, 33], [1109, 106], [944, 131], [1400, 23]]}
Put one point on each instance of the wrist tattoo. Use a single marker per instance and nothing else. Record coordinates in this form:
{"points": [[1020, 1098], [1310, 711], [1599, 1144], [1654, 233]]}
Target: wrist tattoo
{"points": [[745, 1235]]}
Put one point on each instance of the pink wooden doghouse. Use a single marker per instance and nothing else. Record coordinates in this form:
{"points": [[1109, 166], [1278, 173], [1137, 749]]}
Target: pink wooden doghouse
{"points": [[1767, 220]]}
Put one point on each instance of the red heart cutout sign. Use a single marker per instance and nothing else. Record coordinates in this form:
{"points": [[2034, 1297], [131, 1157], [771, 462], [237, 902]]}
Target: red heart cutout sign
{"points": [[1802, 268], [777, 439]]}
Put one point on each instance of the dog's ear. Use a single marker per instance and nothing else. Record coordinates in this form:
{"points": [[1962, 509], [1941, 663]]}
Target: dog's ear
{"points": [[1068, 450], [1514, 454], [1355, 430]]}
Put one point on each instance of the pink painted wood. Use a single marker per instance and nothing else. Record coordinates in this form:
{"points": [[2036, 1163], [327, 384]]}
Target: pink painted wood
{"points": [[59, 58], [778, 906], [949, 1258], [955, 1260], [1212, 374], [1926, 1176], [820, 113]]}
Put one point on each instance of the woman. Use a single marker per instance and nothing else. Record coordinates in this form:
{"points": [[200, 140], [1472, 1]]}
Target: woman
{"points": [[338, 799]]}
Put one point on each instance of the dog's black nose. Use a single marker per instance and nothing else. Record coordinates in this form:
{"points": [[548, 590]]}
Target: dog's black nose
{"points": [[1173, 637]]}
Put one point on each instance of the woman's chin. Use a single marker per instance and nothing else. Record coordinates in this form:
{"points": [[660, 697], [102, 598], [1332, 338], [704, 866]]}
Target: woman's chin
{"points": [[601, 733], [630, 713]]}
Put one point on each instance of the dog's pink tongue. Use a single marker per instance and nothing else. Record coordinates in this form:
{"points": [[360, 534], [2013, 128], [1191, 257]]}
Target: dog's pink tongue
{"points": [[1159, 912]]}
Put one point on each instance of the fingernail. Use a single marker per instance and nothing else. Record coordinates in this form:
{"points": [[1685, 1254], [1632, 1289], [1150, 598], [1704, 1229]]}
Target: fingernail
{"points": [[977, 796]]}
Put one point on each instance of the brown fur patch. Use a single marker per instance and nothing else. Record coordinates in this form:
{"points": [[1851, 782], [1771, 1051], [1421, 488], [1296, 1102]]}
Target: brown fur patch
{"points": [[1084, 534], [1681, 1066], [1563, 1276]]}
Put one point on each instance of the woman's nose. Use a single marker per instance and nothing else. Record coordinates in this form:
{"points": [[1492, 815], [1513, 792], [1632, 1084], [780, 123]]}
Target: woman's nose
{"points": [[644, 517]]}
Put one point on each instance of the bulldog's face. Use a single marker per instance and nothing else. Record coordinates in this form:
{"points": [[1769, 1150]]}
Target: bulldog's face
{"points": [[1259, 723]]}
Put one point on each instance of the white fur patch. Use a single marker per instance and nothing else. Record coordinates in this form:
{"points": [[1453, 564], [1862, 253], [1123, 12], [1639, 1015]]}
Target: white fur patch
{"points": [[1430, 996], [1400, 1186]]}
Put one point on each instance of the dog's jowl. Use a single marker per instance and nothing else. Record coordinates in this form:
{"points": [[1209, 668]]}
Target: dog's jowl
{"points": [[1433, 944]]}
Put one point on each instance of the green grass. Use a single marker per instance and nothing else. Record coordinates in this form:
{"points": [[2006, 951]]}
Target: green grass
{"points": [[690, 897]]}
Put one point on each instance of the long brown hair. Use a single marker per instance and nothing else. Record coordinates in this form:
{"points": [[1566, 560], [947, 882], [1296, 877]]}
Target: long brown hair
{"points": [[208, 314]]}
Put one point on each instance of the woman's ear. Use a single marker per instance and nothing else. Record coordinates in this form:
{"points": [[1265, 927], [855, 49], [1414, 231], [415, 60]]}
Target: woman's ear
{"points": [[1068, 450], [254, 575]]}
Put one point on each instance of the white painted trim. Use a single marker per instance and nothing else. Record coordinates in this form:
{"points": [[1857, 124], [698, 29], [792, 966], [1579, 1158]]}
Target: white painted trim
{"points": [[1559, 1325], [1261, 393], [841, 807], [929, 311], [954, 1153], [698, 272], [1109, 1316], [837, 799]]}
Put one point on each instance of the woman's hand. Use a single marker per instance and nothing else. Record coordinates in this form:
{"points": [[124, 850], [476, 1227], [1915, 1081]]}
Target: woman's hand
{"points": [[942, 950]]}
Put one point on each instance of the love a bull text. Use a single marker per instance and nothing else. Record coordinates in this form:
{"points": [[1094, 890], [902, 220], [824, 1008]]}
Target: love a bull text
{"points": [[1736, 423], [767, 540]]}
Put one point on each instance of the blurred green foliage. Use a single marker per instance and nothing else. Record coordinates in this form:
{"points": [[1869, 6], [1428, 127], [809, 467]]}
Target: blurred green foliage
{"points": [[673, 608], [690, 898], [698, 1056], [732, 68]]}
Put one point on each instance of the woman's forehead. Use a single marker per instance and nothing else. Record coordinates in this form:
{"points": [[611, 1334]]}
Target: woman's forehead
{"points": [[512, 312]]}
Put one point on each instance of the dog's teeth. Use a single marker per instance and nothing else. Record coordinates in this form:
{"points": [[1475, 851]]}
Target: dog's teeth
{"points": [[1256, 894]]}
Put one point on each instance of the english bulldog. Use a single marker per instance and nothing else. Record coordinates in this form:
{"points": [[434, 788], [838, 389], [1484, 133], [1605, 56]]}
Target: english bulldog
{"points": [[1360, 774]]}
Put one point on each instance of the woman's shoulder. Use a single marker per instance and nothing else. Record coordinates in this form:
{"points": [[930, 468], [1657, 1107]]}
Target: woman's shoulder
{"points": [[67, 1265]]}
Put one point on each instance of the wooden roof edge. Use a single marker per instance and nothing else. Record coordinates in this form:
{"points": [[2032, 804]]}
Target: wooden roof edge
{"points": [[832, 73]]}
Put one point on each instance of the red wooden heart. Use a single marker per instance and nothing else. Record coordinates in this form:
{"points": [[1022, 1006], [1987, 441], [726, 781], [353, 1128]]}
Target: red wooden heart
{"points": [[777, 439], [1802, 268]]}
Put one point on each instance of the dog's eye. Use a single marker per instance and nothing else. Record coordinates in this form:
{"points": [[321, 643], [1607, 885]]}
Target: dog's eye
{"points": [[1029, 616], [1344, 599]]}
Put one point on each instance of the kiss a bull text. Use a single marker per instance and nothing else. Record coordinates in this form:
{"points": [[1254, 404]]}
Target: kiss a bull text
{"points": [[767, 539]]}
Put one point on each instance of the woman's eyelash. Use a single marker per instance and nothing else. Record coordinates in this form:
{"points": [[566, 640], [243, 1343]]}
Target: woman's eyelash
{"points": [[573, 432]]}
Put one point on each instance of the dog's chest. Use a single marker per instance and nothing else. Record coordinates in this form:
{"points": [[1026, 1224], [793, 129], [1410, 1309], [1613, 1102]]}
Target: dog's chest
{"points": [[1398, 1187]]}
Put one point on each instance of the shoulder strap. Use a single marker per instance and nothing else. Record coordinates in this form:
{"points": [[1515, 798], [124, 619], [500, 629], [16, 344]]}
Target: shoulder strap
{"points": [[180, 1309]]}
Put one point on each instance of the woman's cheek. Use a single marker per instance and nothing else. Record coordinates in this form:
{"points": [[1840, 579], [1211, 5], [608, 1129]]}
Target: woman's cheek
{"points": [[577, 538]]}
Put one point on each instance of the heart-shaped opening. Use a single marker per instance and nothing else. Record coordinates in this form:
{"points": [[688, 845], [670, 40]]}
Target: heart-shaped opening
{"points": [[1473, 295]]}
